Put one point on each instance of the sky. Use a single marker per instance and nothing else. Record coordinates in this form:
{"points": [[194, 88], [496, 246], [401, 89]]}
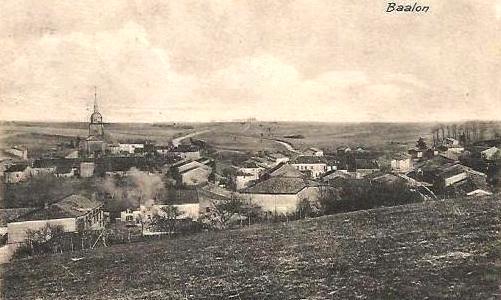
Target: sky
{"points": [[305, 60]]}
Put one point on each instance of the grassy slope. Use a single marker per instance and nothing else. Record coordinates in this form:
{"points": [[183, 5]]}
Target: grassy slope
{"points": [[440, 250]]}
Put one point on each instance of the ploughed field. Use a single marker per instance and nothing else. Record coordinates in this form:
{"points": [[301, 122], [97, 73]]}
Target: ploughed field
{"points": [[443, 249]]}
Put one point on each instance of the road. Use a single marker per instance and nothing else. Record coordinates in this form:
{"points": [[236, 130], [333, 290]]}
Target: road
{"points": [[287, 145], [177, 141]]}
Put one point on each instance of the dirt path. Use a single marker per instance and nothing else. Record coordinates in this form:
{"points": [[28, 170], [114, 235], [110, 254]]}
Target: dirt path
{"points": [[287, 145], [178, 140]]}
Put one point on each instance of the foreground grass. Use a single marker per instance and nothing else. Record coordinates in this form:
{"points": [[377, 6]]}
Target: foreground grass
{"points": [[445, 249]]}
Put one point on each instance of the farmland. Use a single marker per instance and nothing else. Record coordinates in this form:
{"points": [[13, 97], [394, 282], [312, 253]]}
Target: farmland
{"points": [[38, 137], [443, 249], [230, 136]]}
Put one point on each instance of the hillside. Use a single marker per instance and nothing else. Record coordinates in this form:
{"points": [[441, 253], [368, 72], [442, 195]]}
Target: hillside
{"points": [[446, 249]]}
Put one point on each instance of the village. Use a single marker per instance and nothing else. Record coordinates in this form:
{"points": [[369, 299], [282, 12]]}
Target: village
{"points": [[148, 189]]}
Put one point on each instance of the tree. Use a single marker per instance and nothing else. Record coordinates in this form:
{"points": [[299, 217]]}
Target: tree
{"points": [[45, 240], [224, 213], [421, 144], [167, 219]]}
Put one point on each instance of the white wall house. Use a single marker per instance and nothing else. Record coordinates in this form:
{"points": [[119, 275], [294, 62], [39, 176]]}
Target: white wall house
{"points": [[280, 195], [130, 147], [310, 164], [401, 164], [73, 213]]}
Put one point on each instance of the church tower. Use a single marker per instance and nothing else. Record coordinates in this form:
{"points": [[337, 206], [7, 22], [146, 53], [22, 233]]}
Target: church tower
{"points": [[96, 126]]}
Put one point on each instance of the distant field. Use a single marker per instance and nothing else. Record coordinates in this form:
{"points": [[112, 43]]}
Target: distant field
{"points": [[41, 136], [234, 136], [447, 249], [328, 136]]}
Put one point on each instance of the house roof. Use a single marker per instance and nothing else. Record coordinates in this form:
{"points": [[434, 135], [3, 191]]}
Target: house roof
{"points": [[195, 167], [249, 164], [387, 179], [185, 148], [453, 170], [285, 170], [63, 169], [306, 159], [214, 192], [335, 174], [400, 156], [277, 185], [72, 206], [17, 168]]}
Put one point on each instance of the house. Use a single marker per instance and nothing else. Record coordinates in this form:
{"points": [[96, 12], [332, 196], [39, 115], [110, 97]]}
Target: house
{"points": [[196, 175], [42, 167], [114, 149], [286, 171], [64, 171], [263, 162], [73, 213], [209, 195], [401, 163], [479, 192], [415, 153], [71, 154], [363, 167], [191, 152], [333, 174], [146, 213], [248, 172], [450, 142], [388, 180], [162, 149], [130, 147], [19, 152], [312, 151], [87, 169], [277, 158], [312, 165], [491, 154], [457, 175], [17, 173], [281, 195], [193, 172], [56, 166]]}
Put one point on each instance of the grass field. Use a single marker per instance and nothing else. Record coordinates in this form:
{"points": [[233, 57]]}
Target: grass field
{"points": [[234, 136], [42, 136], [447, 249]]}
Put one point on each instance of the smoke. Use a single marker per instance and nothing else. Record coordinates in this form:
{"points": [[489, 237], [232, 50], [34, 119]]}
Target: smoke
{"points": [[138, 188], [148, 185]]}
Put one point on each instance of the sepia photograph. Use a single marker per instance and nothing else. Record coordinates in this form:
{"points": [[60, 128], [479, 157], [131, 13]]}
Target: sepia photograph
{"points": [[250, 149]]}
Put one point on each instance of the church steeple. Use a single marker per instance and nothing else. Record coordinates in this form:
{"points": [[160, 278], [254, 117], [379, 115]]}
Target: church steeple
{"points": [[96, 127], [95, 99]]}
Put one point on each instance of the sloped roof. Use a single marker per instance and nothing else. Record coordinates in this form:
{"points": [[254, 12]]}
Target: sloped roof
{"points": [[185, 148], [277, 185], [196, 167], [63, 169], [285, 170], [72, 206], [214, 192], [17, 168], [188, 166], [387, 179], [304, 159]]}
